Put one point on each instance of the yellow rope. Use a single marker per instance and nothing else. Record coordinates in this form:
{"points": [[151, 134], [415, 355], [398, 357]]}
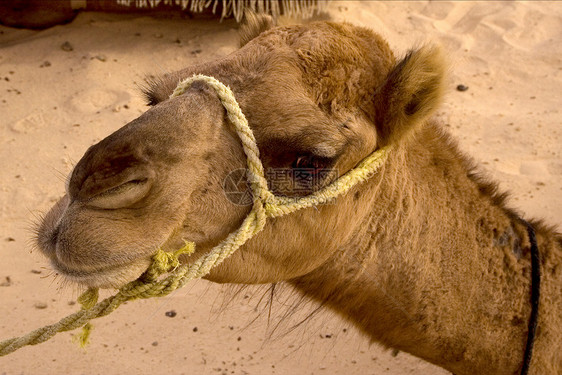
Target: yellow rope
{"points": [[266, 204]]}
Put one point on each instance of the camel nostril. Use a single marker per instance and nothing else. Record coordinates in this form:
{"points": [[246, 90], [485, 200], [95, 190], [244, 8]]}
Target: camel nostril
{"points": [[122, 195], [113, 183]]}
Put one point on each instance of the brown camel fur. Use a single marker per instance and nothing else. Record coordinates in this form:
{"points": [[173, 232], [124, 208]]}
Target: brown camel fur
{"points": [[424, 257]]}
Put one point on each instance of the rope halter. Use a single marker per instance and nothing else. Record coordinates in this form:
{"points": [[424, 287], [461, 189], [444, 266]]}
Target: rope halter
{"points": [[265, 205]]}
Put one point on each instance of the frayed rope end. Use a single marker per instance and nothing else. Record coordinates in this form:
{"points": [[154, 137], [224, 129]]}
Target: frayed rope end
{"points": [[89, 298], [83, 338]]}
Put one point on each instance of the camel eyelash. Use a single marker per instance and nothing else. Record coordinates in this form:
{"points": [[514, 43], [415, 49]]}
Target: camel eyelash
{"points": [[310, 162]]}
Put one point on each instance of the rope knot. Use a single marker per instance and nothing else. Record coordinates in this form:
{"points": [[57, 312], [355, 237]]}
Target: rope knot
{"points": [[163, 261]]}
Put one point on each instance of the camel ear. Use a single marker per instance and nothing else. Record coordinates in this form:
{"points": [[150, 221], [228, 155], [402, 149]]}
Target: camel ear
{"points": [[253, 25], [411, 93]]}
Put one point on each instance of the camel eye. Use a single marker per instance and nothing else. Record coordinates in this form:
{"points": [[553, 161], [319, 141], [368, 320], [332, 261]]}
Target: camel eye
{"points": [[308, 163], [310, 170]]}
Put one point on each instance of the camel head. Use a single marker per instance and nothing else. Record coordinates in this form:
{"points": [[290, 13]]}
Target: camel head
{"points": [[319, 98]]}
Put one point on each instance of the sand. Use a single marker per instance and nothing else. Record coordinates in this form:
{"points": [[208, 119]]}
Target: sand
{"points": [[54, 103]]}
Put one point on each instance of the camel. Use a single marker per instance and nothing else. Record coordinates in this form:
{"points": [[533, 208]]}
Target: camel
{"points": [[424, 257]]}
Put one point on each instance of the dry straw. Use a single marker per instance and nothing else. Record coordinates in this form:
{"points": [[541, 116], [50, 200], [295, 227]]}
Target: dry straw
{"points": [[236, 8]]}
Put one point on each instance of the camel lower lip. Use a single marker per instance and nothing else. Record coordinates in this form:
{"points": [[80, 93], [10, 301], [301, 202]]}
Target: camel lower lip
{"points": [[69, 272], [112, 276]]}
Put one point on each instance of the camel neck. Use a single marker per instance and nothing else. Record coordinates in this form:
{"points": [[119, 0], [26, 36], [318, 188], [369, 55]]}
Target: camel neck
{"points": [[441, 270]]}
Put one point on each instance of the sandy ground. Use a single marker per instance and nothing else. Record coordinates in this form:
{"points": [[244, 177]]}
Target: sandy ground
{"points": [[55, 103]]}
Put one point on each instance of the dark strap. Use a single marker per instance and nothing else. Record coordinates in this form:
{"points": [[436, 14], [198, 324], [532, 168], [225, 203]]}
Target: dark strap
{"points": [[535, 294]]}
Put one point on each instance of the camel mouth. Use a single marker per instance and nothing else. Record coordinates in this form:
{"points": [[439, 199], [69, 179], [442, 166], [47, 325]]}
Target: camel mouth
{"points": [[111, 273], [106, 277]]}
